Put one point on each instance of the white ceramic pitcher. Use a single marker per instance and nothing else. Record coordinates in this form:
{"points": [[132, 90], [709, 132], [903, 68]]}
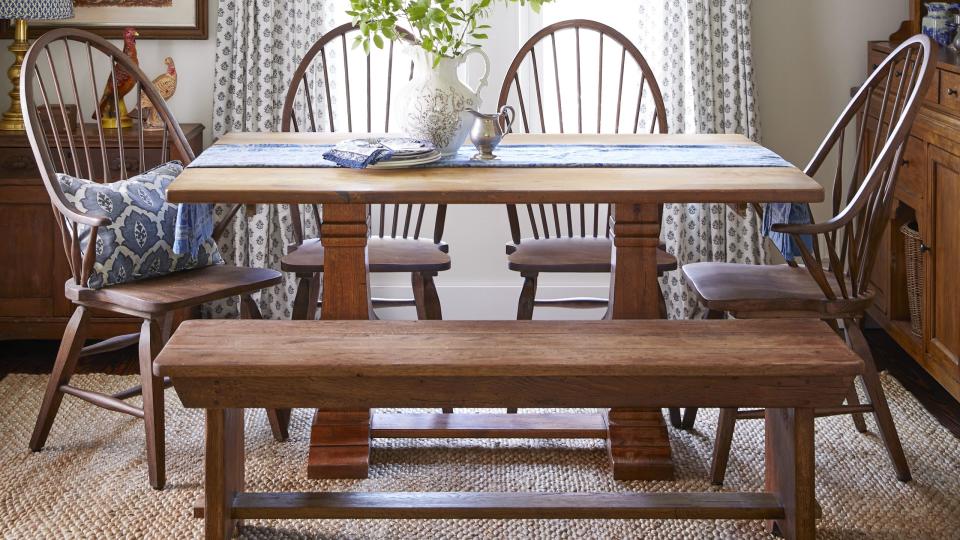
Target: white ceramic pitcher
{"points": [[433, 103]]}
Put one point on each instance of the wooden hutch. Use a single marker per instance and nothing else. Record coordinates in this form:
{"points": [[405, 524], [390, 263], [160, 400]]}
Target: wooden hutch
{"points": [[927, 195], [33, 267]]}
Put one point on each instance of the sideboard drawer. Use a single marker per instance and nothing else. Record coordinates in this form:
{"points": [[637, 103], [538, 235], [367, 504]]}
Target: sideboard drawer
{"points": [[950, 91], [933, 93], [913, 174], [18, 162]]}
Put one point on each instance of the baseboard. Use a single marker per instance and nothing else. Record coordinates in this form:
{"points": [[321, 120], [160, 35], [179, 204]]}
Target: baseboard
{"points": [[491, 302]]}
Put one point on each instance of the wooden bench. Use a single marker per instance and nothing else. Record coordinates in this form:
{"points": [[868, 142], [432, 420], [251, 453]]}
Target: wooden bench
{"points": [[788, 367]]}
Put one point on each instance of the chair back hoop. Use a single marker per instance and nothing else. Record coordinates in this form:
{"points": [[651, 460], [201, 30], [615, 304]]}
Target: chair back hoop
{"points": [[393, 221], [557, 221], [881, 115], [68, 67]]}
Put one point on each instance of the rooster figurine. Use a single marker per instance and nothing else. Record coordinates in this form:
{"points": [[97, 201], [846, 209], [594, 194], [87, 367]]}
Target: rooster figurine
{"points": [[166, 85], [125, 82]]}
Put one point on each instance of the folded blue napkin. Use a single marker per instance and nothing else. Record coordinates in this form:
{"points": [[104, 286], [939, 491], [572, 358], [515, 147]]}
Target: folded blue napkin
{"points": [[358, 153], [794, 214], [194, 226]]}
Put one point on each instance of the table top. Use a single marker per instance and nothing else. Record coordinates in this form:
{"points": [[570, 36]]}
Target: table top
{"points": [[495, 185]]}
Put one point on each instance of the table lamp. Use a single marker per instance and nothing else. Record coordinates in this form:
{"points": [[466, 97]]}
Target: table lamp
{"points": [[20, 11]]}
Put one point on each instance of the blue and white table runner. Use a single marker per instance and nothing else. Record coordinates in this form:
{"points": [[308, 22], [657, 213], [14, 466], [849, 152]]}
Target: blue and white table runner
{"points": [[574, 156], [276, 155]]}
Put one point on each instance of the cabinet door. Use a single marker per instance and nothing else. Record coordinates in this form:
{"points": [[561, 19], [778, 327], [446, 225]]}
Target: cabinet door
{"points": [[30, 277], [942, 332]]}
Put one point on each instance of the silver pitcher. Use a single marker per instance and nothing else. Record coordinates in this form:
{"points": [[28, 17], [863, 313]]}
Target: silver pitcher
{"points": [[489, 129]]}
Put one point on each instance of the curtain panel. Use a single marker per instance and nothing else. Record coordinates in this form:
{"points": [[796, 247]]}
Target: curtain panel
{"points": [[260, 43], [701, 53]]}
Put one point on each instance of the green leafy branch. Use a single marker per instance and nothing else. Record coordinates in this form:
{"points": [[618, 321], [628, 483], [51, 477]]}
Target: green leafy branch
{"points": [[443, 28]]}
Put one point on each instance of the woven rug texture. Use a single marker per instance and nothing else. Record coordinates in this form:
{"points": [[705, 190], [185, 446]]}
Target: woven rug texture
{"points": [[90, 480]]}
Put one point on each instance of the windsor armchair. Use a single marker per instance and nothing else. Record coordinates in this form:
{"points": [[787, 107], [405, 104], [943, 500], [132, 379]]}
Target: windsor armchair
{"points": [[835, 288], [575, 238], [68, 66], [402, 241]]}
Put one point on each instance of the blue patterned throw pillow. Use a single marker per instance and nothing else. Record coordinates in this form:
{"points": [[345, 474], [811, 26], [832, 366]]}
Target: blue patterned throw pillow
{"points": [[138, 243]]}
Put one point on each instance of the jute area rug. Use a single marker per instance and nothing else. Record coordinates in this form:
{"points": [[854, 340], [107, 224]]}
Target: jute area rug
{"points": [[90, 481]]}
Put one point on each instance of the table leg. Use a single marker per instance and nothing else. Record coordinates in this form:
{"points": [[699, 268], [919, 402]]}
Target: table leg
{"points": [[637, 439], [346, 278], [790, 466], [340, 440]]}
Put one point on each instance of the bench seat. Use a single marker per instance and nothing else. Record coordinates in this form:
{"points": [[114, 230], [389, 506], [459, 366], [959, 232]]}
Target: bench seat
{"points": [[788, 367]]}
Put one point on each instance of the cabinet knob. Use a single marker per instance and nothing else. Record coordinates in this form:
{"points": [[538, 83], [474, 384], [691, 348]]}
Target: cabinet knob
{"points": [[905, 163], [952, 92], [924, 248]]}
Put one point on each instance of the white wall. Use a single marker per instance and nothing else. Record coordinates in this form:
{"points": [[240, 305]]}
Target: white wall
{"points": [[808, 55]]}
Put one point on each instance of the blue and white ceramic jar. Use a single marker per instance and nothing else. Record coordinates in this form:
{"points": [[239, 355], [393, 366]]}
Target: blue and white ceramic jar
{"points": [[938, 24]]}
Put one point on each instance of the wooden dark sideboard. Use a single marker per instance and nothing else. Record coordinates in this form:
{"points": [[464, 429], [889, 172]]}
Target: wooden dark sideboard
{"points": [[928, 194], [33, 267]]}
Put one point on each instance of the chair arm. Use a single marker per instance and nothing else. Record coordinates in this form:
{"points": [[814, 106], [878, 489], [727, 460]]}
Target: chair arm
{"points": [[809, 228], [92, 219]]}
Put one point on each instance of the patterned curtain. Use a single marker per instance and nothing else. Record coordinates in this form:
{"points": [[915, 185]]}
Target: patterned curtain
{"points": [[701, 52], [259, 45]]}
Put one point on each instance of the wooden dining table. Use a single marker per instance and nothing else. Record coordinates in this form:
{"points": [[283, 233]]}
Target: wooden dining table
{"points": [[637, 439]]}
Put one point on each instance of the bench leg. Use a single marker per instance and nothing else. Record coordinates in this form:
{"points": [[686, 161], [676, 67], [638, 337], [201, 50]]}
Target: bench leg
{"points": [[339, 445], [790, 471], [638, 445], [224, 471]]}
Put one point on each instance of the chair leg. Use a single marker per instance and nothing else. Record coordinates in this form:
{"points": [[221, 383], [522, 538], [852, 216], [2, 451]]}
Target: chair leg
{"points": [[305, 301], [721, 446], [416, 281], [689, 417], [881, 410], [73, 338], [279, 423], [153, 411], [854, 400], [425, 296], [527, 297], [676, 420], [279, 418], [431, 298]]}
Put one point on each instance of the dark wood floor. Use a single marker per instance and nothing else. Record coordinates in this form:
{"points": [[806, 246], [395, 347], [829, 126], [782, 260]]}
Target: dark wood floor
{"points": [[38, 356]]}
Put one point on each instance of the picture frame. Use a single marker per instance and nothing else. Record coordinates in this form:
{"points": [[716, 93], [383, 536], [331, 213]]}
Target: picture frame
{"points": [[153, 19]]}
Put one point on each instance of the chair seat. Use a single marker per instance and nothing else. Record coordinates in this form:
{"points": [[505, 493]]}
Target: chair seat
{"points": [[178, 290], [385, 255], [748, 288], [574, 255]]}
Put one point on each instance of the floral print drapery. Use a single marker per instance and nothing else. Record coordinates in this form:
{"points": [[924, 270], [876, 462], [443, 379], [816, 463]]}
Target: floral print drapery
{"points": [[259, 45], [701, 53]]}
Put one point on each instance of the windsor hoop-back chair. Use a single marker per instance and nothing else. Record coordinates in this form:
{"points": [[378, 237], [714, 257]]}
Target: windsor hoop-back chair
{"points": [[568, 238], [833, 282], [67, 66], [401, 240]]}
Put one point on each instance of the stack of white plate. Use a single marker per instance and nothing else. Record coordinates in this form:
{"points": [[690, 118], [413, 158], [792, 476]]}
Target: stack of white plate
{"points": [[406, 152]]}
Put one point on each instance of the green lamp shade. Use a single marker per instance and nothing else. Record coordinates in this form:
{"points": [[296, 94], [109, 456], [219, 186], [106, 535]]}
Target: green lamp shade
{"points": [[36, 9]]}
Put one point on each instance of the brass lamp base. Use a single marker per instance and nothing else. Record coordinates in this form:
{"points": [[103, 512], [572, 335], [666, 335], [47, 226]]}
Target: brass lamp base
{"points": [[13, 119], [109, 121]]}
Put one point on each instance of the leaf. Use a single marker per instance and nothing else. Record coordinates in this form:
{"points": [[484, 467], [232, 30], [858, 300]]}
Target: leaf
{"points": [[378, 41]]}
